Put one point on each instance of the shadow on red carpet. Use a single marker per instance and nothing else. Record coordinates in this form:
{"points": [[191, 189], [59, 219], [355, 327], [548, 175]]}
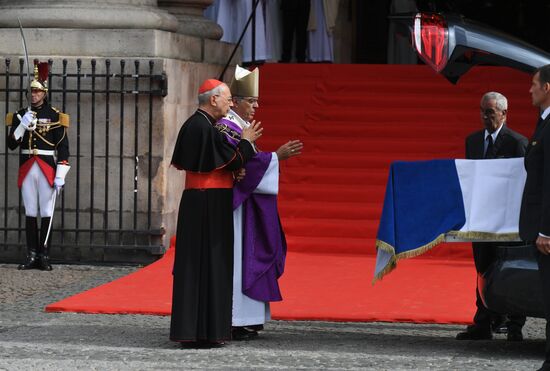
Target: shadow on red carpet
{"points": [[332, 287]]}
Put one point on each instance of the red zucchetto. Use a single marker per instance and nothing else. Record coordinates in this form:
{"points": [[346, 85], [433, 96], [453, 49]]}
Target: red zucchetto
{"points": [[209, 85]]}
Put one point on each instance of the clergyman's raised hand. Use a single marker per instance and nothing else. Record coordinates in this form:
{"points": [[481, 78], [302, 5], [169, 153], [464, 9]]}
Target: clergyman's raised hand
{"points": [[290, 149], [252, 132]]}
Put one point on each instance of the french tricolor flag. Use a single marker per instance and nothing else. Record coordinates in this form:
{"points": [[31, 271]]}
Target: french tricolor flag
{"points": [[475, 200]]}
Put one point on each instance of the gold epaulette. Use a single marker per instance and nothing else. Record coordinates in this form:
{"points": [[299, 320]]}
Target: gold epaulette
{"points": [[63, 118], [9, 119]]}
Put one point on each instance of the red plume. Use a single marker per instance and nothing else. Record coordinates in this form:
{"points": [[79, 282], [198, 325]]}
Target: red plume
{"points": [[43, 70]]}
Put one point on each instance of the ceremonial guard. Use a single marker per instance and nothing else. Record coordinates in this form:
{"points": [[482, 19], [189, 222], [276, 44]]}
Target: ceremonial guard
{"points": [[40, 132]]}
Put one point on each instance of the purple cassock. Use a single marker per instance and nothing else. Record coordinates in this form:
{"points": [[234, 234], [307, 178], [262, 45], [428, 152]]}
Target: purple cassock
{"points": [[263, 239]]}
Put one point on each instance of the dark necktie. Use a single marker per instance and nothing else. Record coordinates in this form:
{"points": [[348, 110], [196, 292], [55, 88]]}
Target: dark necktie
{"points": [[538, 128], [490, 153]]}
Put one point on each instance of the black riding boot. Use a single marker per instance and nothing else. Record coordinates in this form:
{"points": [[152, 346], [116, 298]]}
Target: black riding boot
{"points": [[31, 231], [44, 248]]}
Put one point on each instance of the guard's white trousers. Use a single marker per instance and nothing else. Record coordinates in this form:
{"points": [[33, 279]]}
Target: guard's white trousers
{"points": [[37, 193]]}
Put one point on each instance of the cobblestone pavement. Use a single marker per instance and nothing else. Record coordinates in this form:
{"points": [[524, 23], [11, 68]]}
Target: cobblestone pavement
{"points": [[31, 339]]}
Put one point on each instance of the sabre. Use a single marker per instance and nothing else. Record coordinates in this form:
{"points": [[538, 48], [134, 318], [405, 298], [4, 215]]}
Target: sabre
{"points": [[28, 65], [51, 218]]}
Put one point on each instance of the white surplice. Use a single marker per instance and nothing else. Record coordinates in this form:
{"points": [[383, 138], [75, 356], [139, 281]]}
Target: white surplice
{"points": [[247, 311]]}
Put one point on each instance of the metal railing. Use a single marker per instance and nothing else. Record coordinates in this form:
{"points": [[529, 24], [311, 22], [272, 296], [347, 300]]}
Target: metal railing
{"points": [[107, 201], [251, 19]]}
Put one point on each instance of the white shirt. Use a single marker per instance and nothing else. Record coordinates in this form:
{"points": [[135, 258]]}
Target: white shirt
{"points": [[494, 135], [545, 113]]}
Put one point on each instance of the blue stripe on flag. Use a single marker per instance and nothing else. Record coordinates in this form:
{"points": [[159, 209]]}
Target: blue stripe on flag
{"points": [[423, 200]]}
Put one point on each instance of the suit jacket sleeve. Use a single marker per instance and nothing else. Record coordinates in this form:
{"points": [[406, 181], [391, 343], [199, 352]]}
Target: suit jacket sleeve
{"points": [[521, 146], [544, 227]]}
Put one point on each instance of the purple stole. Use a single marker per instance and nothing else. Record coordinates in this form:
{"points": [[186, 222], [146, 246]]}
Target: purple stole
{"points": [[264, 243]]}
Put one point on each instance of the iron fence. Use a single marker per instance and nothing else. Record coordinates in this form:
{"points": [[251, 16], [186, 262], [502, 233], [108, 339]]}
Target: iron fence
{"points": [[108, 198]]}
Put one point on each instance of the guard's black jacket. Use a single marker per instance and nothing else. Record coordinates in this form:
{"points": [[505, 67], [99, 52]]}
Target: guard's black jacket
{"points": [[50, 134]]}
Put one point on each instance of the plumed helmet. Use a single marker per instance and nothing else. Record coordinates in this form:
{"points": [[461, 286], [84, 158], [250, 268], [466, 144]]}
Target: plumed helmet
{"points": [[41, 71]]}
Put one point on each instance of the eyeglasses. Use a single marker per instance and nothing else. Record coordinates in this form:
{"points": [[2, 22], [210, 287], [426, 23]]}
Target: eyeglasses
{"points": [[488, 111], [251, 100]]}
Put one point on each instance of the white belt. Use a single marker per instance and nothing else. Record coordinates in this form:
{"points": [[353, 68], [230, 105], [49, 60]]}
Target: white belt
{"points": [[35, 152]]}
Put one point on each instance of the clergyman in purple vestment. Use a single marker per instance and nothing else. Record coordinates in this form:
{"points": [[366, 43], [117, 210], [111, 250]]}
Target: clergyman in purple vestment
{"points": [[259, 241]]}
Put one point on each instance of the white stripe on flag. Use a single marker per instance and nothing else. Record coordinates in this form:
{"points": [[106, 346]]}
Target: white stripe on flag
{"points": [[491, 191]]}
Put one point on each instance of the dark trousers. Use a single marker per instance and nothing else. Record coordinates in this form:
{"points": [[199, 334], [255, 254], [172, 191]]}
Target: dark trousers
{"points": [[485, 253], [544, 271], [295, 18]]}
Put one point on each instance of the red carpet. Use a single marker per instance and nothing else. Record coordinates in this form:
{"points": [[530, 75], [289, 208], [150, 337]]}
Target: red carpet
{"points": [[354, 121], [333, 287]]}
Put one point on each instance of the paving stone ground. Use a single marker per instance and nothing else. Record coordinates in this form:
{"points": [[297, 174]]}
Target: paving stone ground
{"points": [[31, 339]]}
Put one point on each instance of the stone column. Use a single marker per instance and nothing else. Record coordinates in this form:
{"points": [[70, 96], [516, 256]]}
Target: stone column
{"points": [[190, 18], [78, 14]]}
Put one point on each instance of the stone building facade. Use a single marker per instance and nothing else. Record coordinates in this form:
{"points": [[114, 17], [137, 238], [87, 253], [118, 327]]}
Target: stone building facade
{"points": [[168, 40]]}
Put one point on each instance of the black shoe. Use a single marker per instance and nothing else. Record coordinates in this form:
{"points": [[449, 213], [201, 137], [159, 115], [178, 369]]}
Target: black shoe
{"points": [[30, 263], [241, 333], [475, 333], [44, 263], [212, 344], [201, 344], [501, 329], [188, 345], [514, 335], [31, 232], [44, 248], [255, 327], [498, 323]]}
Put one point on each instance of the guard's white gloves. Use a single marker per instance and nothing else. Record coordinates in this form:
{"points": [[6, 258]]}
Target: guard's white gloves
{"points": [[60, 174], [28, 120], [58, 184], [26, 123]]}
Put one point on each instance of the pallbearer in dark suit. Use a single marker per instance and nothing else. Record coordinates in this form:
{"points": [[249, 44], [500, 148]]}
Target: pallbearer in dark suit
{"points": [[497, 140], [534, 220], [41, 134], [203, 266]]}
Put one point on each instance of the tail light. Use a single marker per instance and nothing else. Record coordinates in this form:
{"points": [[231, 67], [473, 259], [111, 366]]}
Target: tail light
{"points": [[431, 39]]}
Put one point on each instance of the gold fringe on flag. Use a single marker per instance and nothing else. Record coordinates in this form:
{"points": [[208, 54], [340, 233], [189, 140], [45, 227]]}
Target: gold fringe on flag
{"points": [[473, 235]]}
